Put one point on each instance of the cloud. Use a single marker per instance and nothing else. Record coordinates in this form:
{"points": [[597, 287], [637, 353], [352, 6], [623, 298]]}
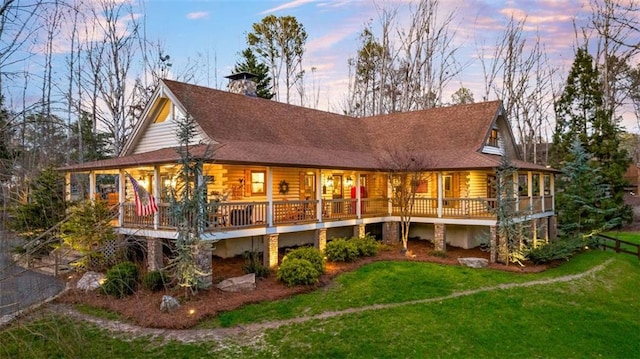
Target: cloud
{"points": [[197, 15], [290, 5]]}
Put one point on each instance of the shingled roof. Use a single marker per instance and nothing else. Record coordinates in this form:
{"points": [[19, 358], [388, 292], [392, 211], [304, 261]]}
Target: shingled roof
{"points": [[253, 130]]}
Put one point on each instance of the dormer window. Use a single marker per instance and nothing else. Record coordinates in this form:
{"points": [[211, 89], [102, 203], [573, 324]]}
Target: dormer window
{"points": [[493, 138]]}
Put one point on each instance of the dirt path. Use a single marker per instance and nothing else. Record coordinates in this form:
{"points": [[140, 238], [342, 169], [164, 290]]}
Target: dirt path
{"points": [[253, 330]]}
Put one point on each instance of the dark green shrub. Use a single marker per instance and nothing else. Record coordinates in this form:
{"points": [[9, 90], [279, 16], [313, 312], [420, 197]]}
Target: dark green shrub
{"points": [[121, 280], [559, 249], [341, 250], [367, 246], [313, 255], [253, 264], [154, 281], [295, 271]]}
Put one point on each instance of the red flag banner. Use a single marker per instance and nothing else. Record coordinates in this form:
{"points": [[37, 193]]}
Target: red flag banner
{"points": [[145, 202]]}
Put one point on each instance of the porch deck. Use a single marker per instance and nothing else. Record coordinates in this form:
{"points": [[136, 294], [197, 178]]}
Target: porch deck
{"points": [[240, 215]]}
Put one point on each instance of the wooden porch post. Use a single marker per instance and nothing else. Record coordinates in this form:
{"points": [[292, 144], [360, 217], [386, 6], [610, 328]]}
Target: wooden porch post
{"points": [[121, 197], [67, 186], [530, 191], [358, 198], [319, 197], [552, 190], [92, 186], [156, 195], [389, 195], [269, 185], [440, 194]]}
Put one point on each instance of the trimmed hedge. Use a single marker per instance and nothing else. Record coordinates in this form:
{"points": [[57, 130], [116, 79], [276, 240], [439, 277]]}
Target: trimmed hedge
{"points": [[313, 255], [341, 250], [121, 280], [296, 271], [367, 246]]}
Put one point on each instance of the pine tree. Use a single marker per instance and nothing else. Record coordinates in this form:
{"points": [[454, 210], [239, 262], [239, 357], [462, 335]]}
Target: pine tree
{"points": [[187, 210], [583, 202], [249, 63], [581, 116]]}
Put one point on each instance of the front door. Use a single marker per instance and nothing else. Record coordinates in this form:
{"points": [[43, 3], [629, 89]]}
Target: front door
{"points": [[337, 193]]}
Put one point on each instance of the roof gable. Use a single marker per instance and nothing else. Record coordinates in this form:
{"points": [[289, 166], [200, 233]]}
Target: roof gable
{"points": [[158, 126]]}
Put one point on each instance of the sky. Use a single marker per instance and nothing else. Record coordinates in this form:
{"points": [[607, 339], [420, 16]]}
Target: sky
{"points": [[213, 33], [215, 30]]}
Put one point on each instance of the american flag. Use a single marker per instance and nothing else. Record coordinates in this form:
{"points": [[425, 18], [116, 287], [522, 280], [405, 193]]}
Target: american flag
{"points": [[145, 202]]}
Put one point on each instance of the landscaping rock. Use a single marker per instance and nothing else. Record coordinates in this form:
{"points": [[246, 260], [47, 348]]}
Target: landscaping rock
{"points": [[90, 281], [474, 262], [169, 304], [238, 284]]}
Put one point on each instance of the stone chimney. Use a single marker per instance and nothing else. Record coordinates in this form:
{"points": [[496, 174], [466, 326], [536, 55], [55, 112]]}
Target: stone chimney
{"points": [[242, 83]]}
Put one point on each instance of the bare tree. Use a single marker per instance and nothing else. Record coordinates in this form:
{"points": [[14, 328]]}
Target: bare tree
{"points": [[406, 169], [280, 41], [517, 72], [408, 67], [617, 25], [110, 59]]}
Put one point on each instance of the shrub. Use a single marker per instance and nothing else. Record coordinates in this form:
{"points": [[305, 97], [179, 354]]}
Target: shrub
{"points": [[560, 249], [121, 280], [296, 271], [253, 264], [341, 250], [367, 246], [313, 255], [154, 281]]}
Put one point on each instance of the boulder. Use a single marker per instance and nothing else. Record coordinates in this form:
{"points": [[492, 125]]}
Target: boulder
{"points": [[238, 284], [474, 262], [90, 281], [169, 304]]}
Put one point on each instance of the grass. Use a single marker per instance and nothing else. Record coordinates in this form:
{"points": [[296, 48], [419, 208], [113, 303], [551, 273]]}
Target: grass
{"points": [[633, 237], [596, 316]]}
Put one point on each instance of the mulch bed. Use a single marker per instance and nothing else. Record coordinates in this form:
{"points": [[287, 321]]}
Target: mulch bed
{"points": [[143, 308]]}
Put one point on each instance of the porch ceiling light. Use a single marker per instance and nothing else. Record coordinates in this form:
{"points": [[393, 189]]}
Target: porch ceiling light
{"points": [[349, 181], [329, 181]]}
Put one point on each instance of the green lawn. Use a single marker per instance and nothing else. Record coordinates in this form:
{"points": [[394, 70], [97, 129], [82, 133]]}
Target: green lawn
{"points": [[595, 316], [633, 237]]}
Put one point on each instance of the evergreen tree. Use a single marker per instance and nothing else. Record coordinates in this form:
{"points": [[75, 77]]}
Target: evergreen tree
{"points": [[44, 208], [583, 201], [581, 116], [191, 265], [514, 236], [249, 63], [6, 135]]}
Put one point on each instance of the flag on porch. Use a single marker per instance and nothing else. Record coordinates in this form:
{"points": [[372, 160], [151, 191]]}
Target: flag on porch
{"points": [[145, 202]]}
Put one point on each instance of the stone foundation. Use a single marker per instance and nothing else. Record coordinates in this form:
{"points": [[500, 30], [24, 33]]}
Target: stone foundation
{"points": [[154, 254], [270, 246], [320, 239], [391, 232], [440, 237], [203, 258], [359, 231]]}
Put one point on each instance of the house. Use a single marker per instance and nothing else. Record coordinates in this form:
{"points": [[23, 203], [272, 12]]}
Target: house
{"points": [[297, 176]]}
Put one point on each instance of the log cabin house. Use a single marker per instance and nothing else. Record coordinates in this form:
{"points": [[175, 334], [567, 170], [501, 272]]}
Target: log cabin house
{"points": [[297, 176]]}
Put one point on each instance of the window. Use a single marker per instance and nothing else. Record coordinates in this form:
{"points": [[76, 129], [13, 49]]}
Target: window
{"points": [[493, 138], [258, 182]]}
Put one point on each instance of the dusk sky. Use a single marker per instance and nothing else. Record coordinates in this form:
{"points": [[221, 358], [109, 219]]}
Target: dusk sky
{"points": [[217, 29], [213, 32]]}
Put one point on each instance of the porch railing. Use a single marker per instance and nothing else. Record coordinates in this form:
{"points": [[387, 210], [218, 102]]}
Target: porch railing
{"points": [[235, 215], [294, 211]]}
